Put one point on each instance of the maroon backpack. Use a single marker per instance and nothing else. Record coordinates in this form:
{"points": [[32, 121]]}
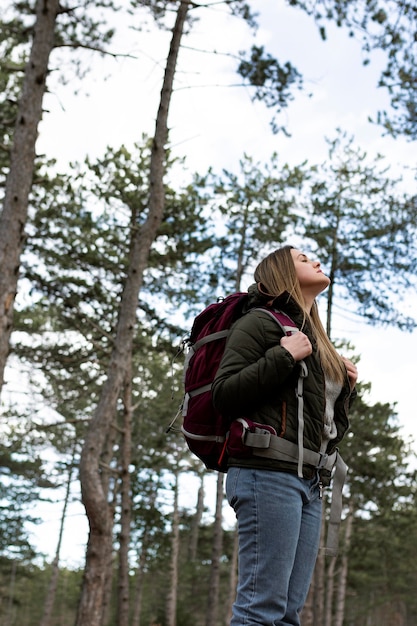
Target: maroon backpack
{"points": [[206, 431]]}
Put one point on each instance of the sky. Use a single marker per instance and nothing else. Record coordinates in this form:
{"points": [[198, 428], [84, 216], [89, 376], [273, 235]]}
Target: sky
{"points": [[214, 124]]}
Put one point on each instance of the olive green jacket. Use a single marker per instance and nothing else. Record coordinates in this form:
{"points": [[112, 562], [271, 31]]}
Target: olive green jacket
{"points": [[257, 379]]}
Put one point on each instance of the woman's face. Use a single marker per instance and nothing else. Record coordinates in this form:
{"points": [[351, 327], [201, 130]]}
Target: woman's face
{"points": [[310, 276]]}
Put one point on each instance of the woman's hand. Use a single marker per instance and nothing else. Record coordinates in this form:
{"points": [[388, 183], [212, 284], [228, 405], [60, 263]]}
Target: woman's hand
{"points": [[298, 345], [352, 372]]}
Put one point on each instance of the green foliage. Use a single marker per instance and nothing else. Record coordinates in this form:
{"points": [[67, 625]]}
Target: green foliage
{"points": [[382, 574], [256, 208], [12, 59], [381, 495], [377, 457], [22, 593], [75, 263], [272, 81], [22, 476], [364, 230], [387, 25]]}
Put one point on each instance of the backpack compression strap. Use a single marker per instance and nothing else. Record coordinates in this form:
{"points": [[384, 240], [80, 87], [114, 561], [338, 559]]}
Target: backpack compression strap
{"points": [[273, 447]]}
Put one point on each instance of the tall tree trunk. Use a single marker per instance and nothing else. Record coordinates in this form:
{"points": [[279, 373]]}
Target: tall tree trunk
{"points": [[53, 583], [196, 521], [330, 582], [9, 619], [213, 594], [137, 598], [171, 604], [334, 264], [341, 591], [110, 485], [93, 495], [122, 618], [232, 578], [140, 571], [22, 162]]}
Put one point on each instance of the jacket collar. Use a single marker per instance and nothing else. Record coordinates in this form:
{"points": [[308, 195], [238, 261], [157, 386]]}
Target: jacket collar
{"points": [[284, 302]]}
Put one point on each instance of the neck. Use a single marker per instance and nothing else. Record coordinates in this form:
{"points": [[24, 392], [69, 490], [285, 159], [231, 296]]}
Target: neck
{"points": [[308, 302]]}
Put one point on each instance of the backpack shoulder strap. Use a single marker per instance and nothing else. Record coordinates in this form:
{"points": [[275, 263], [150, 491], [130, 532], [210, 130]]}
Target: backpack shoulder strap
{"points": [[286, 323], [289, 328]]}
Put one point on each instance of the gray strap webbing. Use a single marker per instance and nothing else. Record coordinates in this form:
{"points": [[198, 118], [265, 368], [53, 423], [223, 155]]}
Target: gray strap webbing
{"points": [[274, 447], [220, 334], [300, 398], [191, 394], [212, 337], [270, 446], [336, 507], [202, 389]]}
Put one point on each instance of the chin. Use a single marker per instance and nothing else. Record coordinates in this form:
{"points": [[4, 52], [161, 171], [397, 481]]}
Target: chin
{"points": [[324, 283]]}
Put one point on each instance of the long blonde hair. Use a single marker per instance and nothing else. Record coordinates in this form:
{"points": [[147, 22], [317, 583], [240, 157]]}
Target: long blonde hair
{"points": [[276, 274]]}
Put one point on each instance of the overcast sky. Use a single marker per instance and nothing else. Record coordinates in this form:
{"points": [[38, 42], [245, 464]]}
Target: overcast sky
{"points": [[214, 124]]}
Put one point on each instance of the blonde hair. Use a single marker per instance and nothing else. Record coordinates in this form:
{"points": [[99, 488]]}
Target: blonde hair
{"points": [[275, 275]]}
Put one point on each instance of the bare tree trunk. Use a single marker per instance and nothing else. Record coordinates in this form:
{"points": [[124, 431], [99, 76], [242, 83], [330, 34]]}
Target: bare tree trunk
{"points": [[93, 495], [171, 605], [196, 522], [341, 592], [330, 580], [108, 587], [22, 159], [122, 618], [213, 595], [53, 583], [137, 601], [110, 485], [233, 578], [10, 601], [333, 266]]}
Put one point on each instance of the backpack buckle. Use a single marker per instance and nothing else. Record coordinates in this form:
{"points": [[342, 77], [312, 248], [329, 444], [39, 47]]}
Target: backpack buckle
{"points": [[323, 461]]}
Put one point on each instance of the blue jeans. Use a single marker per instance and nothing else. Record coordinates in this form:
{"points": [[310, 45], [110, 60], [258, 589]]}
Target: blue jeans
{"points": [[279, 522]]}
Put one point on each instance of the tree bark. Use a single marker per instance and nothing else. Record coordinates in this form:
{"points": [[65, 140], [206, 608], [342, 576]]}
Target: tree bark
{"points": [[329, 593], [196, 521], [140, 572], [233, 578], [341, 591], [22, 162], [171, 605], [93, 495], [122, 618], [213, 595], [53, 583]]}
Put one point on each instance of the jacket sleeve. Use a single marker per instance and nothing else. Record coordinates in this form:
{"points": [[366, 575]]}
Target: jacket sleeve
{"points": [[253, 367]]}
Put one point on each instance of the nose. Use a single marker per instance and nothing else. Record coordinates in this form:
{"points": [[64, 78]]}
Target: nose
{"points": [[316, 263]]}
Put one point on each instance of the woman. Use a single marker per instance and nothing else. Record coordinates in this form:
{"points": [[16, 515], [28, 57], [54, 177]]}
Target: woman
{"points": [[278, 511]]}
